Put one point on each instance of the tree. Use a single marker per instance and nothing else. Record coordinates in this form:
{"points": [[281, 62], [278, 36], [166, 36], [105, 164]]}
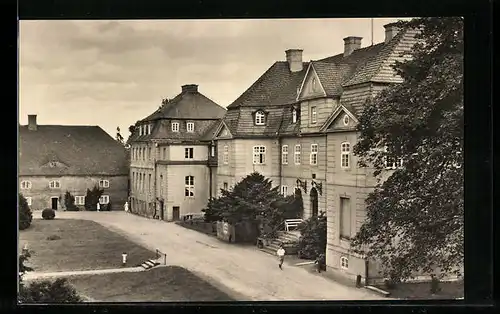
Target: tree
{"points": [[69, 202], [45, 291], [312, 240], [92, 198], [25, 214], [415, 218]]}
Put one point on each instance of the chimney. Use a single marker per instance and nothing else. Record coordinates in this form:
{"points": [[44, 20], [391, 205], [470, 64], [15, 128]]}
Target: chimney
{"points": [[351, 43], [294, 59], [189, 88], [32, 122], [391, 30]]}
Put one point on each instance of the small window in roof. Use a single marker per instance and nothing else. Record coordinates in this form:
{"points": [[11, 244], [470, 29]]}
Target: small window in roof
{"points": [[294, 115], [260, 118]]}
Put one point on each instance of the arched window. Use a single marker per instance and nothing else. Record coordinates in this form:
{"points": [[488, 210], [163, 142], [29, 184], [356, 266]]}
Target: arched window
{"points": [[345, 151], [260, 118]]}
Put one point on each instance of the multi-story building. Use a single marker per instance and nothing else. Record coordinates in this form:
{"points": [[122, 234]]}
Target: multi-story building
{"points": [[173, 156], [297, 126], [55, 159]]}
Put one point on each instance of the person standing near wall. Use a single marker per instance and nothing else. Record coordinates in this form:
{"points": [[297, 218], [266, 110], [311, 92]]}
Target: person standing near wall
{"points": [[281, 256]]}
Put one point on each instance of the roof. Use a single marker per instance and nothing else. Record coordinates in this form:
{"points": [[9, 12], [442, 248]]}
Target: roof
{"points": [[81, 150]]}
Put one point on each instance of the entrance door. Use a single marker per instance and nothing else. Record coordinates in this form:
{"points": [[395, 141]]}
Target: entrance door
{"points": [[176, 213], [161, 210], [314, 202], [54, 201], [298, 198]]}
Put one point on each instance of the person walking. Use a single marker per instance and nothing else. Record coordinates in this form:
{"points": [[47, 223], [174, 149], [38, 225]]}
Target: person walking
{"points": [[98, 207], [126, 207], [281, 255]]}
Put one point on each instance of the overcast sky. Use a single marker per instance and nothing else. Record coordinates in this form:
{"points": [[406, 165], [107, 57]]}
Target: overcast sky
{"points": [[113, 73]]}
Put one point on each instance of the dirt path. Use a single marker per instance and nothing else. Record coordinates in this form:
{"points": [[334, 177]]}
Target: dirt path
{"points": [[251, 274], [44, 275]]}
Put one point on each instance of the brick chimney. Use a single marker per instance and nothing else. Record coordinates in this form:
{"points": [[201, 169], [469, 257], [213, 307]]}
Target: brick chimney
{"points": [[189, 88], [351, 43], [32, 126], [294, 59], [391, 30]]}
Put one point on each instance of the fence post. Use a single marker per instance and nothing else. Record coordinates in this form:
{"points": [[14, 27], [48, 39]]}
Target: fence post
{"points": [[165, 259]]}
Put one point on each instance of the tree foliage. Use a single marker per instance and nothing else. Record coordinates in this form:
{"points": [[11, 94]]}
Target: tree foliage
{"points": [[415, 217], [252, 198], [69, 202], [92, 198], [312, 242], [25, 214], [45, 291]]}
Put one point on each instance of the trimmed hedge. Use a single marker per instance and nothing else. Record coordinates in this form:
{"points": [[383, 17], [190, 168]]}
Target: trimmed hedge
{"points": [[48, 214]]}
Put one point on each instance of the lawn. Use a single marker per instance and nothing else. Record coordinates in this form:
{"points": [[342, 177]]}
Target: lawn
{"points": [[162, 284], [83, 245], [421, 291]]}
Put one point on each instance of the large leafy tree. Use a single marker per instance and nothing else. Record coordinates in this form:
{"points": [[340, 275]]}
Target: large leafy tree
{"points": [[415, 217]]}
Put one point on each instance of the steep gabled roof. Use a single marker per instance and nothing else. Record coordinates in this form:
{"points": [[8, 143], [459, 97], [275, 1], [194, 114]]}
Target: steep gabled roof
{"points": [[82, 150]]}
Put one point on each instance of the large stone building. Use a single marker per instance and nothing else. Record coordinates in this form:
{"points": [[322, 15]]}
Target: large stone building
{"points": [[173, 157], [55, 159], [297, 125]]}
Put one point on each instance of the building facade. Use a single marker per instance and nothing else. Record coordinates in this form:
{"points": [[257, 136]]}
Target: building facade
{"points": [[55, 159], [297, 126], [173, 159]]}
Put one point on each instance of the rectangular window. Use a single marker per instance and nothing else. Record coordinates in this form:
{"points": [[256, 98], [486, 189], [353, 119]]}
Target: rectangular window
{"points": [[28, 200], [149, 128], [189, 186], [259, 154], [104, 183], [284, 190], [313, 114], [150, 155], [294, 116], [104, 199], [175, 126], [313, 158], [212, 150], [225, 156], [55, 184], [149, 183], [392, 162], [188, 153], [345, 151], [284, 154], [190, 126], [225, 186], [140, 130], [345, 217], [79, 200], [297, 154], [25, 185]]}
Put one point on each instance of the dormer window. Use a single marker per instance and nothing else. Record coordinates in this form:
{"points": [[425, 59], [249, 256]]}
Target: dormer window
{"points": [[190, 126], [260, 118], [175, 126], [294, 115]]}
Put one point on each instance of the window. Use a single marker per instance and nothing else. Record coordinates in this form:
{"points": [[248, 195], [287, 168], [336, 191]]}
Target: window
{"points": [[161, 185], [79, 200], [313, 158], [297, 154], [25, 185], [175, 126], [149, 183], [104, 183], [284, 190], [284, 154], [392, 162], [260, 118], [345, 217], [29, 200], [314, 84], [164, 153], [225, 156], [188, 152], [189, 189], [104, 199], [294, 116], [190, 126], [212, 150], [225, 186], [140, 130], [259, 154], [150, 156], [313, 114], [149, 128], [55, 184], [346, 120], [344, 262], [345, 150]]}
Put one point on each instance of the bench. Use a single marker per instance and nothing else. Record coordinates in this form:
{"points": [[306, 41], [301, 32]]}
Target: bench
{"points": [[292, 223]]}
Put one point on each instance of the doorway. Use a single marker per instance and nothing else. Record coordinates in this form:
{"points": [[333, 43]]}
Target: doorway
{"points": [[176, 213], [298, 199], [54, 201], [313, 196], [161, 210]]}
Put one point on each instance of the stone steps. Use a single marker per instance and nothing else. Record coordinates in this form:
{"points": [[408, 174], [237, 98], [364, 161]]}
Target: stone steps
{"points": [[149, 264]]}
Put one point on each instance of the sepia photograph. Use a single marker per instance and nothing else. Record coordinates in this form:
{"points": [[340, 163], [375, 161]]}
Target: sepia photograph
{"points": [[205, 160]]}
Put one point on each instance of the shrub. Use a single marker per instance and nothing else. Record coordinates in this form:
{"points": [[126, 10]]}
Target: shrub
{"points": [[46, 291], [48, 214], [53, 237], [92, 198], [25, 214], [435, 285], [312, 241], [69, 202]]}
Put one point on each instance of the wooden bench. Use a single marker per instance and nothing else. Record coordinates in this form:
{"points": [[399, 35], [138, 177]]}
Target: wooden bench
{"points": [[292, 223]]}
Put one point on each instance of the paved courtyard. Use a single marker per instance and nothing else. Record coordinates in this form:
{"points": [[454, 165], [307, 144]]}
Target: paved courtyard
{"points": [[244, 272]]}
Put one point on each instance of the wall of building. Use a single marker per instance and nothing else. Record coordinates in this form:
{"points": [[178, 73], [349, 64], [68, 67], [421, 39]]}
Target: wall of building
{"points": [[41, 193], [324, 108], [177, 152]]}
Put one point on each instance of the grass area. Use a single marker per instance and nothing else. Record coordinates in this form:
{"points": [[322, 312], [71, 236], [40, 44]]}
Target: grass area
{"points": [[163, 284], [78, 245], [421, 291]]}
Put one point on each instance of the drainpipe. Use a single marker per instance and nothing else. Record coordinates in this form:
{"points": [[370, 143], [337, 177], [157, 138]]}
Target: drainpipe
{"points": [[154, 180]]}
